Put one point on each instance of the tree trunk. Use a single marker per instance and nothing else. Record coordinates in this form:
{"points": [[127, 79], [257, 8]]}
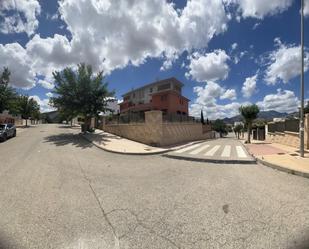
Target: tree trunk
{"points": [[26, 122], [86, 126], [249, 133]]}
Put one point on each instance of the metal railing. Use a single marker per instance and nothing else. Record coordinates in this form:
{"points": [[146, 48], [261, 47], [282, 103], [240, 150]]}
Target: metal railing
{"points": [[126, 118], [179, 118]]}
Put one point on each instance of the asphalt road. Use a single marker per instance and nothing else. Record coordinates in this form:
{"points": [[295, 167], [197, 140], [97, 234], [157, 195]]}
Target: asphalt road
{"points": [[59, 191]]}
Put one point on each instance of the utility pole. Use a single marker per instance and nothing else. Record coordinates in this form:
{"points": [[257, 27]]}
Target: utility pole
{"points": [[301, 118]]}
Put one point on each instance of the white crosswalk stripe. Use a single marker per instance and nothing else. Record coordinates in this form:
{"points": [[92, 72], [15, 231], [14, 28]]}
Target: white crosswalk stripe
{"points": [[240, 152], [212, 151], [200, 149], [187, 148], [226, 151]]}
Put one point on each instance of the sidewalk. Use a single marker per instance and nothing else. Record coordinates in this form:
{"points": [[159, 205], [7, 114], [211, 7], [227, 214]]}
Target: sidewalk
{"points": [[112, 143], [281, 157]]}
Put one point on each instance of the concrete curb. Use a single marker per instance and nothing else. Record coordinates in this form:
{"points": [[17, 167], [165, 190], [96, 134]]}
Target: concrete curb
{"points": [[208, 160], [125, 153], [281, 168]]}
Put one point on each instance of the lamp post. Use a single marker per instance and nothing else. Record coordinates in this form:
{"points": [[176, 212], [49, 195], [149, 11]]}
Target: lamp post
{"points": [[301, 118]]}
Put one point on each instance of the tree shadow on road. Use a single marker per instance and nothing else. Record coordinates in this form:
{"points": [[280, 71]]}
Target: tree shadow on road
{"points": [[68, 139]]}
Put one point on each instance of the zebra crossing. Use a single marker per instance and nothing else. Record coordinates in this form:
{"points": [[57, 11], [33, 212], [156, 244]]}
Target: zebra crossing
{"points": [[217, 150]]}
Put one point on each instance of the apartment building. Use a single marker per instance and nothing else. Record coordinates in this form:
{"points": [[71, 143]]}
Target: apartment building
{"points": [[164, 95]]}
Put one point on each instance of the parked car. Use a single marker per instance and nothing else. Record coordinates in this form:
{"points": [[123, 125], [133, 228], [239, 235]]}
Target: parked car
{"points": [[7, 131]]}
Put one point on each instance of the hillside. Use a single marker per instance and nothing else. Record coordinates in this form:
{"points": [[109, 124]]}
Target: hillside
{"points": [[265, 115]]}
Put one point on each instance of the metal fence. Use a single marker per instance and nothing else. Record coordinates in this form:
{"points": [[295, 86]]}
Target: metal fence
{"points": [[126, 118], [171, 117], [282, 126]]}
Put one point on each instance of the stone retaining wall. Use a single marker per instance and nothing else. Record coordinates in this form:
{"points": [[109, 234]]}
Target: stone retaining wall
{"points": [[156, 133], [290, 138]]}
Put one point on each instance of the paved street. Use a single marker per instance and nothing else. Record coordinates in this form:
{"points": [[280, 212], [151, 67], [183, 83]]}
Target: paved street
{"points": [[59, 191], [222, 149]]}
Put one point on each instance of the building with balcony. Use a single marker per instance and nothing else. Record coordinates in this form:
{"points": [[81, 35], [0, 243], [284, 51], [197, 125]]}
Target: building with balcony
{"points": [[164, 95]]}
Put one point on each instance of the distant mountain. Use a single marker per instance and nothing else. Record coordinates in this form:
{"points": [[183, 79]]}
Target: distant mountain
{"points": [[265, 115]]}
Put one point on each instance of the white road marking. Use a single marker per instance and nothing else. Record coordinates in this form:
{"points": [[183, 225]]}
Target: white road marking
{"points": [[198, 150], [212, 151], [187, 148], [226, 151], [240, 152]]}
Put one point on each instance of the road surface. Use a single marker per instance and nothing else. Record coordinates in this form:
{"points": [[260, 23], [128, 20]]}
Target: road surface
{"points": [[59, 191]]}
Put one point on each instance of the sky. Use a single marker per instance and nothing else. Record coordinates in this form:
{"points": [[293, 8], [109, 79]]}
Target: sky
{"points": [[227, 53]]}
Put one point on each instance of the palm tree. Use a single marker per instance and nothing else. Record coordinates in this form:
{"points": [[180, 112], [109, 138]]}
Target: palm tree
{"points": [[249, 113], [81, 93]]}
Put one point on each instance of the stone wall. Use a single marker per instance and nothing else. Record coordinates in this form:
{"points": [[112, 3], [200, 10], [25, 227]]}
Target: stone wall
{"points": [[156, 133], [289, 138], [286, 138]]}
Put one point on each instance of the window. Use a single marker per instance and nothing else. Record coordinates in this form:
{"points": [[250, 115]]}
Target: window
{"points": [[164, 87], [177, 88], [164, 97], [150, 89]]}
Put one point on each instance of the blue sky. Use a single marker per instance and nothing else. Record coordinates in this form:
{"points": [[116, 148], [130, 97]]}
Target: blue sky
{"points": [[227, 53]]}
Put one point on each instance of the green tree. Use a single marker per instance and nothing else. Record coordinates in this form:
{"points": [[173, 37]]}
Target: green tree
{"points": [[28, 107], [202, 117], [238, 129], [81, 93], [249, 114], [7, 93], [219, 126]]}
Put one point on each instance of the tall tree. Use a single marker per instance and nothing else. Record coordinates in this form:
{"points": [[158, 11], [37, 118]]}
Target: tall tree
{"points": [[249, 113], [237, 129], [220, 126], [27, 107], [81, 92], [202, 117], [7, 93]]}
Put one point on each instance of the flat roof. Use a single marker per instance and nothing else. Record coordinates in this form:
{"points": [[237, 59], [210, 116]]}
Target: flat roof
{"points": [[173, 79]]}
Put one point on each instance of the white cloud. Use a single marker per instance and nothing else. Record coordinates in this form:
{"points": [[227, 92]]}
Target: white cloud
{"points": [[44, 106], [284, 63], [256, 25], [282, 101], [50, 54], [209, 67], [234, 46], [16, 59], [49, 94], [229, 94], [207, 100], [306, 8], [52, 17], [24, 18], [260, 8], [113, 34], [153, 28], [249, 86], [46, 84]]}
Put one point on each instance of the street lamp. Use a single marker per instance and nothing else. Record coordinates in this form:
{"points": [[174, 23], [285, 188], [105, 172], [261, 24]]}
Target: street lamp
{"points": [[301, 118]]}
